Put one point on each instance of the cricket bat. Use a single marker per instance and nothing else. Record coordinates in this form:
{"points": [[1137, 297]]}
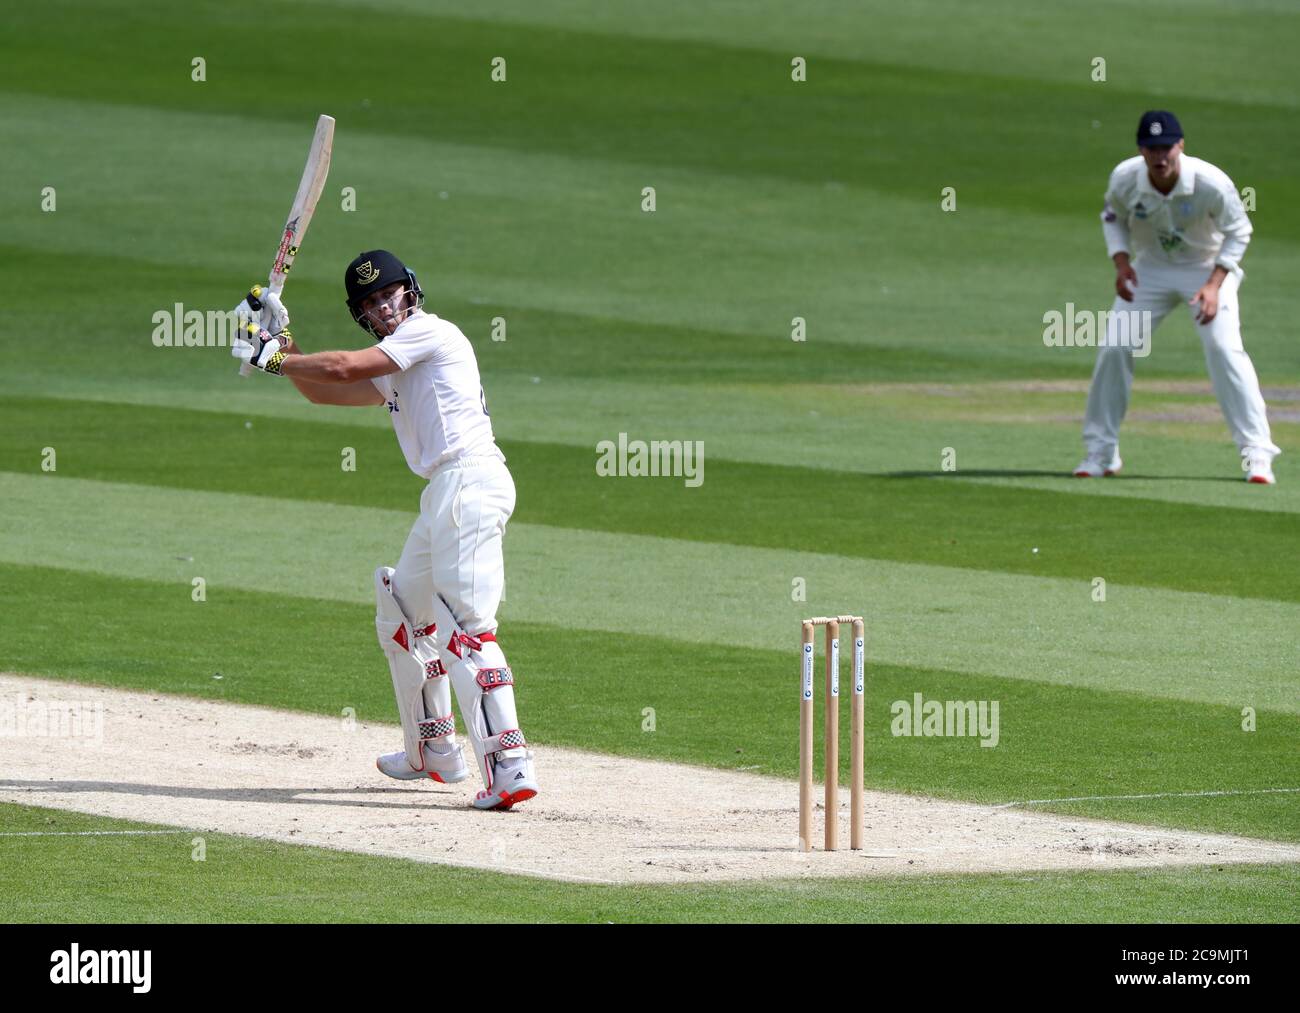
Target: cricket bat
{"points": [[304, 206]]}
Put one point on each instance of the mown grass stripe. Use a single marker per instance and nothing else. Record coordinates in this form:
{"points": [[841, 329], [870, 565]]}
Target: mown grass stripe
{"points": [[909, 518], [1163, 794], [134, 879], [642, 98], [1172, 644], [769, 424], [908, 34]]}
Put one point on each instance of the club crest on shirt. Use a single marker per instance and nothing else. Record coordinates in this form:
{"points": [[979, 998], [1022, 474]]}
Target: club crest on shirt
{"points": [[1139, 211]]}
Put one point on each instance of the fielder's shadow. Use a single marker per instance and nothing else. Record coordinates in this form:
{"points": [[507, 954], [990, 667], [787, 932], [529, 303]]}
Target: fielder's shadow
{"points": [[1063, 476], [420, 800], [977, 473]]}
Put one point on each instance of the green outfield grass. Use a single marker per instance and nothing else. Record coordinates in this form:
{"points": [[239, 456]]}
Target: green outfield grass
{"points": [[520, 201], [901, 516], [106, 878]]}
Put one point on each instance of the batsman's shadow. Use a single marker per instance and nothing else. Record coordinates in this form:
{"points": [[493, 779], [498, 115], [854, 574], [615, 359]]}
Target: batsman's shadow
{"points": [[415, 798]]}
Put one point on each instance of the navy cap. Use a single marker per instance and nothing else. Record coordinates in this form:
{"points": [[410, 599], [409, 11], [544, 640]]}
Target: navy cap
{"points": [[374, 270], [1159, 129], [369, 272]]}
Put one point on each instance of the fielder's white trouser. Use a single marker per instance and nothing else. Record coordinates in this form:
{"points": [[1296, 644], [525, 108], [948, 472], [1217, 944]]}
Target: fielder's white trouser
{"points": [[451, 575], [1160, 288]]}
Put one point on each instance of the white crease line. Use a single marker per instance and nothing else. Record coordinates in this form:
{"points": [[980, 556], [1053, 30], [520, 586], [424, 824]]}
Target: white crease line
{"points": [[90, 833], [1163, 794]]}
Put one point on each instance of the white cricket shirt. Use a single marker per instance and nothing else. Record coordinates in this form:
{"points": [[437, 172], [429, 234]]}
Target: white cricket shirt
{"points": [[436, 401], [1200, 221]]}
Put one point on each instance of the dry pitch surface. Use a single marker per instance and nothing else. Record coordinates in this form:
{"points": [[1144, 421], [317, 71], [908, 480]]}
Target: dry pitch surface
{"points": [[311, 780]]}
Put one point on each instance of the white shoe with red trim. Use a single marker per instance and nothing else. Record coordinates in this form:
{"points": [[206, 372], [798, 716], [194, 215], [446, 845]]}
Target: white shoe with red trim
{"points": [[445, 768], [1099, 465], [1257, 463], [514, 783]]}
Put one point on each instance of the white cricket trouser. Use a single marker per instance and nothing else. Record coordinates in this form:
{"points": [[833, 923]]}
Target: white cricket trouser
{"points": [[1160, 288], [454, 549]]}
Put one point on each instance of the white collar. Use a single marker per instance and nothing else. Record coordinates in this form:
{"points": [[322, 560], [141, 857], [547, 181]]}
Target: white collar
{"points": [[1183, 188]]}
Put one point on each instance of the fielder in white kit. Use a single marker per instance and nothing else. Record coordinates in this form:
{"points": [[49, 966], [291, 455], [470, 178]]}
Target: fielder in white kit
{"points": [[436, 610], [1176, 229]]}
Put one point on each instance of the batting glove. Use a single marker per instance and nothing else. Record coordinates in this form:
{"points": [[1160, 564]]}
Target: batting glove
{"points": [[261, 349], [263, 307]]}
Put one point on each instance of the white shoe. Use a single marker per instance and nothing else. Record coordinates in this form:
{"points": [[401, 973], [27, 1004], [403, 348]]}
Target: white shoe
{"points": [[445, 768], [1258, 466], [514, 783], [1097, 465]]}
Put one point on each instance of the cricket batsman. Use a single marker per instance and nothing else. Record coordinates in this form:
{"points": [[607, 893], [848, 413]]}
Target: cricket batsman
{"points": [[1176, 229], [436, 610]]}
